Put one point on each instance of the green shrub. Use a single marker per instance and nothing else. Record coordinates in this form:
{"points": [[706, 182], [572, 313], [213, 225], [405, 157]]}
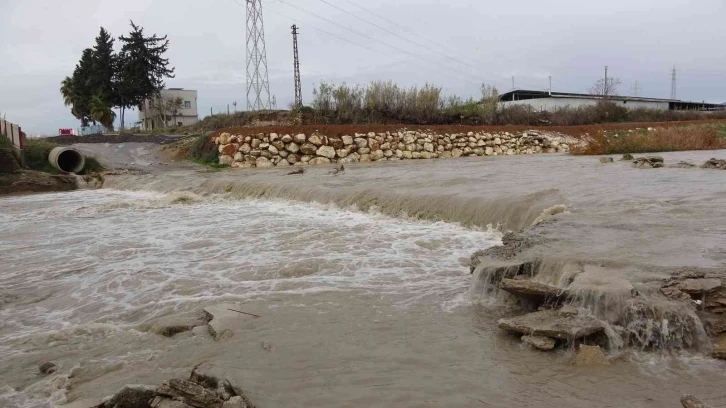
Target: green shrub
{"points": [[92, 165], [203, 151], [36, 155]]}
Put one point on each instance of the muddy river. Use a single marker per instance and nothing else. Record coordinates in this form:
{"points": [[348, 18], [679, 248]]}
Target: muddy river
{"points": [[361, 281]]}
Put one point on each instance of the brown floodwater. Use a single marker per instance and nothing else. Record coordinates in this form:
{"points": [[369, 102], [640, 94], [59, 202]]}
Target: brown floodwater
{"points": [[361, 280]]}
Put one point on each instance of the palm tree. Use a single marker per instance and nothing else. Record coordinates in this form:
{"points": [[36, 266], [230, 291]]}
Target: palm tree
{"points": [[101, 112], [66, 90]]}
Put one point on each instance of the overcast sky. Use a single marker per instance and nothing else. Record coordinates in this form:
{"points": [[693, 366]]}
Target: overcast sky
{"points": [[457, 44]]}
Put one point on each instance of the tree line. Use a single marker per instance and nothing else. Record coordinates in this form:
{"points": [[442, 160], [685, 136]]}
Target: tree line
{"points": [[104, 79]]}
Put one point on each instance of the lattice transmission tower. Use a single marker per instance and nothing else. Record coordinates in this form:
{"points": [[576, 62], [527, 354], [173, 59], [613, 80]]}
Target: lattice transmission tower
{"points": [[298, 87], [258, 84]]}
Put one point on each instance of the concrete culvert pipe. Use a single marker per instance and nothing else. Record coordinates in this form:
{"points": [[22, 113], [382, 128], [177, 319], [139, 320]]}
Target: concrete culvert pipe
{"points": [[67, 159]]}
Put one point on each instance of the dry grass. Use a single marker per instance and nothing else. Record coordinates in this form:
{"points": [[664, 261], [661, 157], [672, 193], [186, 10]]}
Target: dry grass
{"points": [[696, 137]]}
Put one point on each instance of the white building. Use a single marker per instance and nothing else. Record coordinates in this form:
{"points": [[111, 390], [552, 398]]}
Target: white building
{"points": [[552, 101], [174, 107]]}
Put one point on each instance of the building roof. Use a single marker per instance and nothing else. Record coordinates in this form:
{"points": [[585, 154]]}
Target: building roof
{"points": [[524, 94]]}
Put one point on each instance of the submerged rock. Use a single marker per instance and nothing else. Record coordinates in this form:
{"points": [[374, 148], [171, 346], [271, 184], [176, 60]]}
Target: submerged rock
{"points": [[47, 368], [698, 286], [627, 156], [169, 326], [689, 401], [552, 323], [589, 355], [606, 160], [226, 319], [540, 342]]}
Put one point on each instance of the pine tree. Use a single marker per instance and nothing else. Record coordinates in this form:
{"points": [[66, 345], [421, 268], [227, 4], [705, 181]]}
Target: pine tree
{"points": [[142, 68], [104, 61], [81, 88]]}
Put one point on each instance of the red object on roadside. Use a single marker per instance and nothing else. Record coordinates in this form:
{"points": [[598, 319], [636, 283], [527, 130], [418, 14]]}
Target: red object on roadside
{"points": [[65, 132]]}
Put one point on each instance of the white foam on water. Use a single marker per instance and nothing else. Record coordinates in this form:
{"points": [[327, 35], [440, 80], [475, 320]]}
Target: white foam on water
{"points": [[91, 263]]}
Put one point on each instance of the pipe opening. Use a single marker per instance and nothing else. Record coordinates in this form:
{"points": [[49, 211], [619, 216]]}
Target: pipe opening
{"points": [[67, 160]]}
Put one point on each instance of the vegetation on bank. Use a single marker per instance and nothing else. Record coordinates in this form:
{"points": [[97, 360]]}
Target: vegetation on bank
{"points": [[203, 151], [695, 137]]}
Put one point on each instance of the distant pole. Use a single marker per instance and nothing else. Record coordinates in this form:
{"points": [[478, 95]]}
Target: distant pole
{"points": [[227, 109], [235, 106], [210, 111], [298, 87], [550, 85], [673, 83], [513, 82], [605, 87]]}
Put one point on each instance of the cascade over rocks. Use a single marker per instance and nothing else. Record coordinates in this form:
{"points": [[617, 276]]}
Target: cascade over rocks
{"points": [[397, 145]]}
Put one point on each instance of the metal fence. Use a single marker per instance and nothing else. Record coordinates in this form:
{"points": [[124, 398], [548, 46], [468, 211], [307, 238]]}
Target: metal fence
{"points": [[13, 133]]}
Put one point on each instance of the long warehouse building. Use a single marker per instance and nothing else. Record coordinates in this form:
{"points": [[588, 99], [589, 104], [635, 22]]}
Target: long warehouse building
{"points": [[552, 101]]}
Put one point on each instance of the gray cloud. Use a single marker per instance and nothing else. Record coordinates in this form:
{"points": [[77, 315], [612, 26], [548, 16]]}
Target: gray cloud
{"points": [[571, 40]]}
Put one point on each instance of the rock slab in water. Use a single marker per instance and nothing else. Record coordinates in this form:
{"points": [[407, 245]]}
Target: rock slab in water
{"points": [[689, 401], [604, 160], [553, 323], [169, 326], [649, 162], [539, 342], [589, 355], [627, 156], [715, 164], [528, 288]]}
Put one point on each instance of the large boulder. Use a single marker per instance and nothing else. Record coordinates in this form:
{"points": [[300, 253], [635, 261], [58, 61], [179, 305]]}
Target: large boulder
{"points": [[326, 151], [649, 162], [557, 324]]}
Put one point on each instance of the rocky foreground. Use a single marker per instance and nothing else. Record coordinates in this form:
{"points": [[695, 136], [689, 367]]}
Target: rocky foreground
{"points": [[272, 149], [199, 391]]}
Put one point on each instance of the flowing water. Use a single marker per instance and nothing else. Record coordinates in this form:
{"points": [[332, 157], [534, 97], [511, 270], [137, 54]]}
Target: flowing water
{"points": [[361, 281]]}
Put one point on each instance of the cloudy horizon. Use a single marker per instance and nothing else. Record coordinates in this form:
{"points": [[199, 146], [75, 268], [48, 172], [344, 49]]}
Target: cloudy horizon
{"points": [[456, 45]]}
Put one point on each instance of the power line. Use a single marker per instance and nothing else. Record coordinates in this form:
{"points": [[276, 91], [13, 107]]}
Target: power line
{"points": [[397, 35], [374, 39]]}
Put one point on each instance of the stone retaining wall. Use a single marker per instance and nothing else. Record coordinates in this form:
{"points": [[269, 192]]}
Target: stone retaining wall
{"points": [[272, 149]]}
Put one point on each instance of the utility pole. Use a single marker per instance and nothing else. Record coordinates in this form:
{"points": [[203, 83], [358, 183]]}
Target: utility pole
{"points": [[605, 87], [513, 82], [258, 84], [298, 87], [673, 83], [227, 109], [274, 102], [550, 85], [235, 106]]}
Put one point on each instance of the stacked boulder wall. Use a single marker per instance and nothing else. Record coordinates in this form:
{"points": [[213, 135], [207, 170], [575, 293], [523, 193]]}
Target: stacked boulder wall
{"points": [[272, 149]]}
